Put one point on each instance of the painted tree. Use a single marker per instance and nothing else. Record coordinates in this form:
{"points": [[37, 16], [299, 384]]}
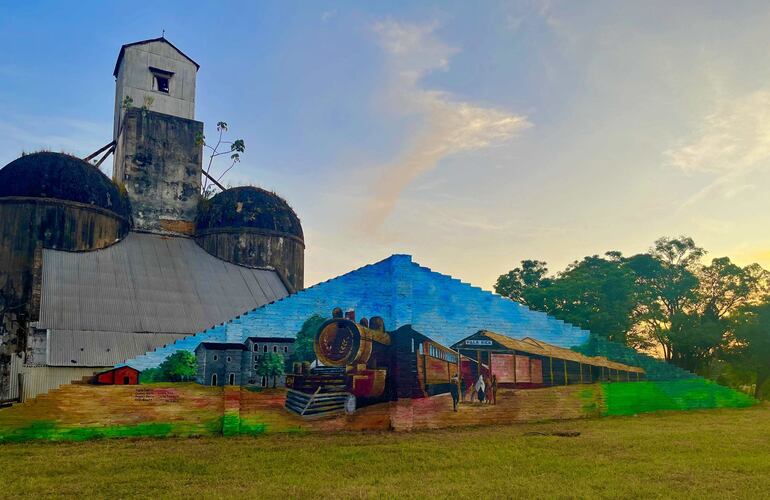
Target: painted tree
{"points": [[303, 345], [271, 365], [179, 367]]}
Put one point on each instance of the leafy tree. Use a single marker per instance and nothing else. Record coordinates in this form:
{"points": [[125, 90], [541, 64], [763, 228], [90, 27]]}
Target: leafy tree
{"points": [[272, 365], [178, 367], [749, 345], [232, 148], [514, 284], [596, 294], [663, 299], [303, 345]]}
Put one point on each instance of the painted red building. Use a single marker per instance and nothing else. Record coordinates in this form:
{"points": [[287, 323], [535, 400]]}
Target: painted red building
{"points": [[124, 375]]}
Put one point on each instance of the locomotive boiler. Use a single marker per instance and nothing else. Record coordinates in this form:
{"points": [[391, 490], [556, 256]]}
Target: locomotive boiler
{"points": [[361, 364]]}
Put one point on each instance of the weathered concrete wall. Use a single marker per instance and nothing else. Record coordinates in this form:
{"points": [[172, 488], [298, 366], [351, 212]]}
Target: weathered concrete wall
{"points": [[258, 248], [26, 226], [135, 79], [32, 223], [159, 163]]}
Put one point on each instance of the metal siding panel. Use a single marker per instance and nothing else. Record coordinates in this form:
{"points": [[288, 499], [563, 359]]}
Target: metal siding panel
{"points": [[167, 287], [102, 348]]}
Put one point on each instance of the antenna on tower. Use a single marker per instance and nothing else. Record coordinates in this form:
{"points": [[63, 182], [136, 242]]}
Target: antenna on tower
{"points": [[163, 33]]}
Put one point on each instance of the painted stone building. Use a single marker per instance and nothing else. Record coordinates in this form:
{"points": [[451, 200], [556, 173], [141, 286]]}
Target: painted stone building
{"points": [[95, 271], [228, 363]]}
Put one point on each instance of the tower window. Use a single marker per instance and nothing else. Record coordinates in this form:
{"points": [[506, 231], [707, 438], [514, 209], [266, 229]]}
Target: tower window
{"points": [[161, 79], [161, 84]]}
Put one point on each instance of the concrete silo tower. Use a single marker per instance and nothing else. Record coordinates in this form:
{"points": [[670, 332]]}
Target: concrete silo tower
{"points": [[157, 157]]}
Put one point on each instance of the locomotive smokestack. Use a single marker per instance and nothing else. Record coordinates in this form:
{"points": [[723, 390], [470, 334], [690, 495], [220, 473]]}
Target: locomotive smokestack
{"points": [[377, 323], [351, 315], [364, 322]]}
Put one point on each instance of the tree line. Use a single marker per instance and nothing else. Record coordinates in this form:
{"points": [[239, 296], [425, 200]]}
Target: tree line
{"points": [[711, 318]]}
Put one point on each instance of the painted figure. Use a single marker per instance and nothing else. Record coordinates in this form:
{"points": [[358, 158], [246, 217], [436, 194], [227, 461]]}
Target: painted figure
{"points": [[454, 389], [480, 386]]}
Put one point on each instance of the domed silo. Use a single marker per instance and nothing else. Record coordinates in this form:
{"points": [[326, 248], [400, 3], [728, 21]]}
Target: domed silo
{"points": [[52, 200], [253, 227]]}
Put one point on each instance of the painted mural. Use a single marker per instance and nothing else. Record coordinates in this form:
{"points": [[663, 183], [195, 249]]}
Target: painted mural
{"points": [[345, 374]]}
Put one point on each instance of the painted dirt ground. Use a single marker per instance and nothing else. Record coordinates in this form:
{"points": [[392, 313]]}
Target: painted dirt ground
{"points": [[81, 412]]}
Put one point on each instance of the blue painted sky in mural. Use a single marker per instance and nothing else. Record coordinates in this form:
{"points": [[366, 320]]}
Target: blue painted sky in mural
{"points": [[402, 292]]}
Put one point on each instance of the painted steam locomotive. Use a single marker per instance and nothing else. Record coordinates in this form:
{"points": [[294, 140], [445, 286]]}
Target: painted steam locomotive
{"points": [[360, 364]]}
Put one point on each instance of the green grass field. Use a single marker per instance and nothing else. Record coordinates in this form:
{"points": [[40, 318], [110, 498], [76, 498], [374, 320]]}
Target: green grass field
{"points": [[714, 453]]}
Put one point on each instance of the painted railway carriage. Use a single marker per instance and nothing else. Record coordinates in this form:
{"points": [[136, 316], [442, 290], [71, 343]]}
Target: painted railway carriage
{"points": [[361, 363]]}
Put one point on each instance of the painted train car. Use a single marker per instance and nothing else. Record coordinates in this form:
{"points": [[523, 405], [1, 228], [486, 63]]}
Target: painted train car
{"points": [[361, 364]]}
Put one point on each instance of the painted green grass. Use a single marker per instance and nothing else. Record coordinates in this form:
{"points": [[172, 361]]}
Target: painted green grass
{"points": [[698, 454], [686, 394]]}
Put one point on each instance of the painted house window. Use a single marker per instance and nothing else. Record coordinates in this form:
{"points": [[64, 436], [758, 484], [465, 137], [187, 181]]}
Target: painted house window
{"points": [[216, 357], [213, 379], [275, 348], [229, 359], [412, 345], [256, 358], [285, 348], [255, 347], [264, 381], [265, 348], [232, 379]]}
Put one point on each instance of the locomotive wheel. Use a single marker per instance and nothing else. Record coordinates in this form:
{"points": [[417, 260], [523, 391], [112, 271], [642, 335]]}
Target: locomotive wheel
{"points": [[350, 404]]}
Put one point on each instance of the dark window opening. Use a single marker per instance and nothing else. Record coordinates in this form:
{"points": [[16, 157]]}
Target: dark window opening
{"points": [[213, 379], [232, 379], [275, 348], [161, 84], [126, 380]]}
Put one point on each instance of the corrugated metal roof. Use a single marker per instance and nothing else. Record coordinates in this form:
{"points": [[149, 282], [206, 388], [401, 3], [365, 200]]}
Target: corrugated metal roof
{"points": [[533, 346], [83, 348], [146, 283]]}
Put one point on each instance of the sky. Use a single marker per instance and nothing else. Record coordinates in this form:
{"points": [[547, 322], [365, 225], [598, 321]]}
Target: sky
{"points": [[470, 135]]}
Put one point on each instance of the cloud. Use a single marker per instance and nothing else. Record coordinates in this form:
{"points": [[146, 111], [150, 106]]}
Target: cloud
{"points": [[730, 143], [448, 126]]}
